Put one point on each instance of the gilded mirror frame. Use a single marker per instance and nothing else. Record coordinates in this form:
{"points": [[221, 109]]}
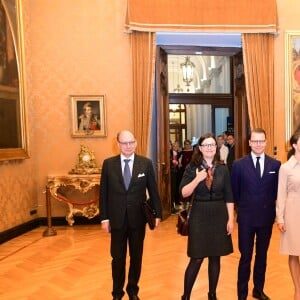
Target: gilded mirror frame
{"points": [[292, 83], [12, 96]]}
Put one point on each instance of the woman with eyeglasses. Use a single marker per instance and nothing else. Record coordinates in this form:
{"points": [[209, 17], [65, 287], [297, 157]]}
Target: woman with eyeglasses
{"points": [[211, 220]]}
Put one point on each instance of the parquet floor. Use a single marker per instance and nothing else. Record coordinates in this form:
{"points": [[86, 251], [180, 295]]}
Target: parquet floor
{"points": [[75, 264]]}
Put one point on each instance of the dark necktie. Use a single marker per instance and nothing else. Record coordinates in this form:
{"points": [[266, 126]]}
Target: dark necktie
{"points": [[127, 173], [257, 166], [209, 178]]}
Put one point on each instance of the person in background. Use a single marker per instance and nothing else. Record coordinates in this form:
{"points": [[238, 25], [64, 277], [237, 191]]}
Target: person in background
{"points": [[175, 156], [186, 156], [288, 211], [231, 151], [211, 220], [254, 180], [125, 180], [225, 135], [222, 149]]}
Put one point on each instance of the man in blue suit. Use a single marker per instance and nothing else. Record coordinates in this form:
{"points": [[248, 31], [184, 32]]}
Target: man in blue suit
{"points": [[254, 184], [121, 213]]}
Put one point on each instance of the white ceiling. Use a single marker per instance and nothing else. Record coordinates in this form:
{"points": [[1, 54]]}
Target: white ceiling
{"points": [[199, 39]]}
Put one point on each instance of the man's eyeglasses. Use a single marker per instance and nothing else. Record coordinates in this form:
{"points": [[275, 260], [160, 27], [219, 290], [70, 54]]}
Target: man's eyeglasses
{"points": [[257, 142], [208, 145], [130, 143]]}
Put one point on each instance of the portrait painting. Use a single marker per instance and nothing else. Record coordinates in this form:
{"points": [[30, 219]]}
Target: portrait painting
{"points": [[292, 84], [88, 116]]}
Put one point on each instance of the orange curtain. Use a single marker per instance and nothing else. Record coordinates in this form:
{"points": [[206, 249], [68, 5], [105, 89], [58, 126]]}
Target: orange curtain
{"points": [[255, 19], [258, 52], [143, 63], [202, 15]]}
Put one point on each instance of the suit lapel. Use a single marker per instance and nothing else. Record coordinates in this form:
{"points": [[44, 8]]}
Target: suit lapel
{"points": [[251, 165], [136, 169], [118, 167], [267, 165]]}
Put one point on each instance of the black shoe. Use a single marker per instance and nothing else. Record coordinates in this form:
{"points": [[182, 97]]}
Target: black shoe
{"points": [[185, 298], [212, 296], [260, 295], [134, 297], [117, 298]]}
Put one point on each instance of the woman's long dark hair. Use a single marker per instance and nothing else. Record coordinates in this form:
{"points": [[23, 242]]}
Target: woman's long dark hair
{"points": [[197, 157], [294, 140]]}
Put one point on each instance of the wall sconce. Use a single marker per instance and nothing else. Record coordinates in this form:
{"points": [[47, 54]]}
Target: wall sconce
{"points": [[187, 70]]}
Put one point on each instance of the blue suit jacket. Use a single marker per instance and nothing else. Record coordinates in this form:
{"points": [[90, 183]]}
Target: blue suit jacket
{"points": [[255, 197]]}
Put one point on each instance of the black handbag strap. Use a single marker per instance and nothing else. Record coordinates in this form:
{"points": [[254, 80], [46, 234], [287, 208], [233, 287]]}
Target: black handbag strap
{"points": [[190, 205]]}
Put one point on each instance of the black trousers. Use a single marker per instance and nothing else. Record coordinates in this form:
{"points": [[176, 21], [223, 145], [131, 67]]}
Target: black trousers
{"points": [[247, 237], [175, 182], [134, 237]]}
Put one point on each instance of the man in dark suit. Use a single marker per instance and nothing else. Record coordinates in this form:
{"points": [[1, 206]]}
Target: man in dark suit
{"points": [[231, 151], [254, 185], [121, 210]]}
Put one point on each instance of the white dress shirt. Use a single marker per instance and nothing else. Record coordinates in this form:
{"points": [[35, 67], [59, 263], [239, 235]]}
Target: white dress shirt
{"points": [[130, 163], [261, 161]]}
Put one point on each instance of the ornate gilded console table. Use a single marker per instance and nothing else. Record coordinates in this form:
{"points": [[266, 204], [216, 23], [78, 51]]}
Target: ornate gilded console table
{"points": [[78, 182]]}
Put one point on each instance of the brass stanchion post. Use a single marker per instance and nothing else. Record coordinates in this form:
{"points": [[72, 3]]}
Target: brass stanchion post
{"points": [[49, 231]]}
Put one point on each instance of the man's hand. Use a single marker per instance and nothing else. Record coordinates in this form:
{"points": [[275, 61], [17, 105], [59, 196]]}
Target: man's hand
{"points": [[157, 221], [105, 225]]}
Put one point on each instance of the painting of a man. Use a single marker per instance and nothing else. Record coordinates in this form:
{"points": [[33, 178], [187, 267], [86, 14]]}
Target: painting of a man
{"points": [[89, 119]]}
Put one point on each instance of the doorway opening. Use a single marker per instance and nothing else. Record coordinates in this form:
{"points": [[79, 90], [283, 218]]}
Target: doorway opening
{"points": [[213, 101], [190, 121], [207, 97], [200, 96]]}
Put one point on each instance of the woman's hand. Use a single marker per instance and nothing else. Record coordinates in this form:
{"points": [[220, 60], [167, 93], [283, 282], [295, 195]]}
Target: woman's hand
{"points": [[201, 175], [281, 227], [230, 226], [190, 187], [175, 162]]}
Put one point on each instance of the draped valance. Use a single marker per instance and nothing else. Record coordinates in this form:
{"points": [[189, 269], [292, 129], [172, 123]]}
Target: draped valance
{"points": [[245, 16]]}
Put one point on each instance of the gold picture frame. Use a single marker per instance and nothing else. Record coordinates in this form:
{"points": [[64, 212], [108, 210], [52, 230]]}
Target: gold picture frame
{"points": [[292, 82], [88, 116], [14, 142]]}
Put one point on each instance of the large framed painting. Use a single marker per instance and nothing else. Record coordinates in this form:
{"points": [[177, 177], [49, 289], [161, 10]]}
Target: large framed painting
{"points": [[13, 122], [292, 82], [88, 116]]}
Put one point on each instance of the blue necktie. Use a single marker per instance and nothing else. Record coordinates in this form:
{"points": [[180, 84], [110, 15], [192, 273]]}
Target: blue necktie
{"points": [[257, 166], [127, 173]]}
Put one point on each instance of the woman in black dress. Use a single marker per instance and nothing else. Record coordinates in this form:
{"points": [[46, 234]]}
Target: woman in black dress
{"points": [[211, 220]]}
